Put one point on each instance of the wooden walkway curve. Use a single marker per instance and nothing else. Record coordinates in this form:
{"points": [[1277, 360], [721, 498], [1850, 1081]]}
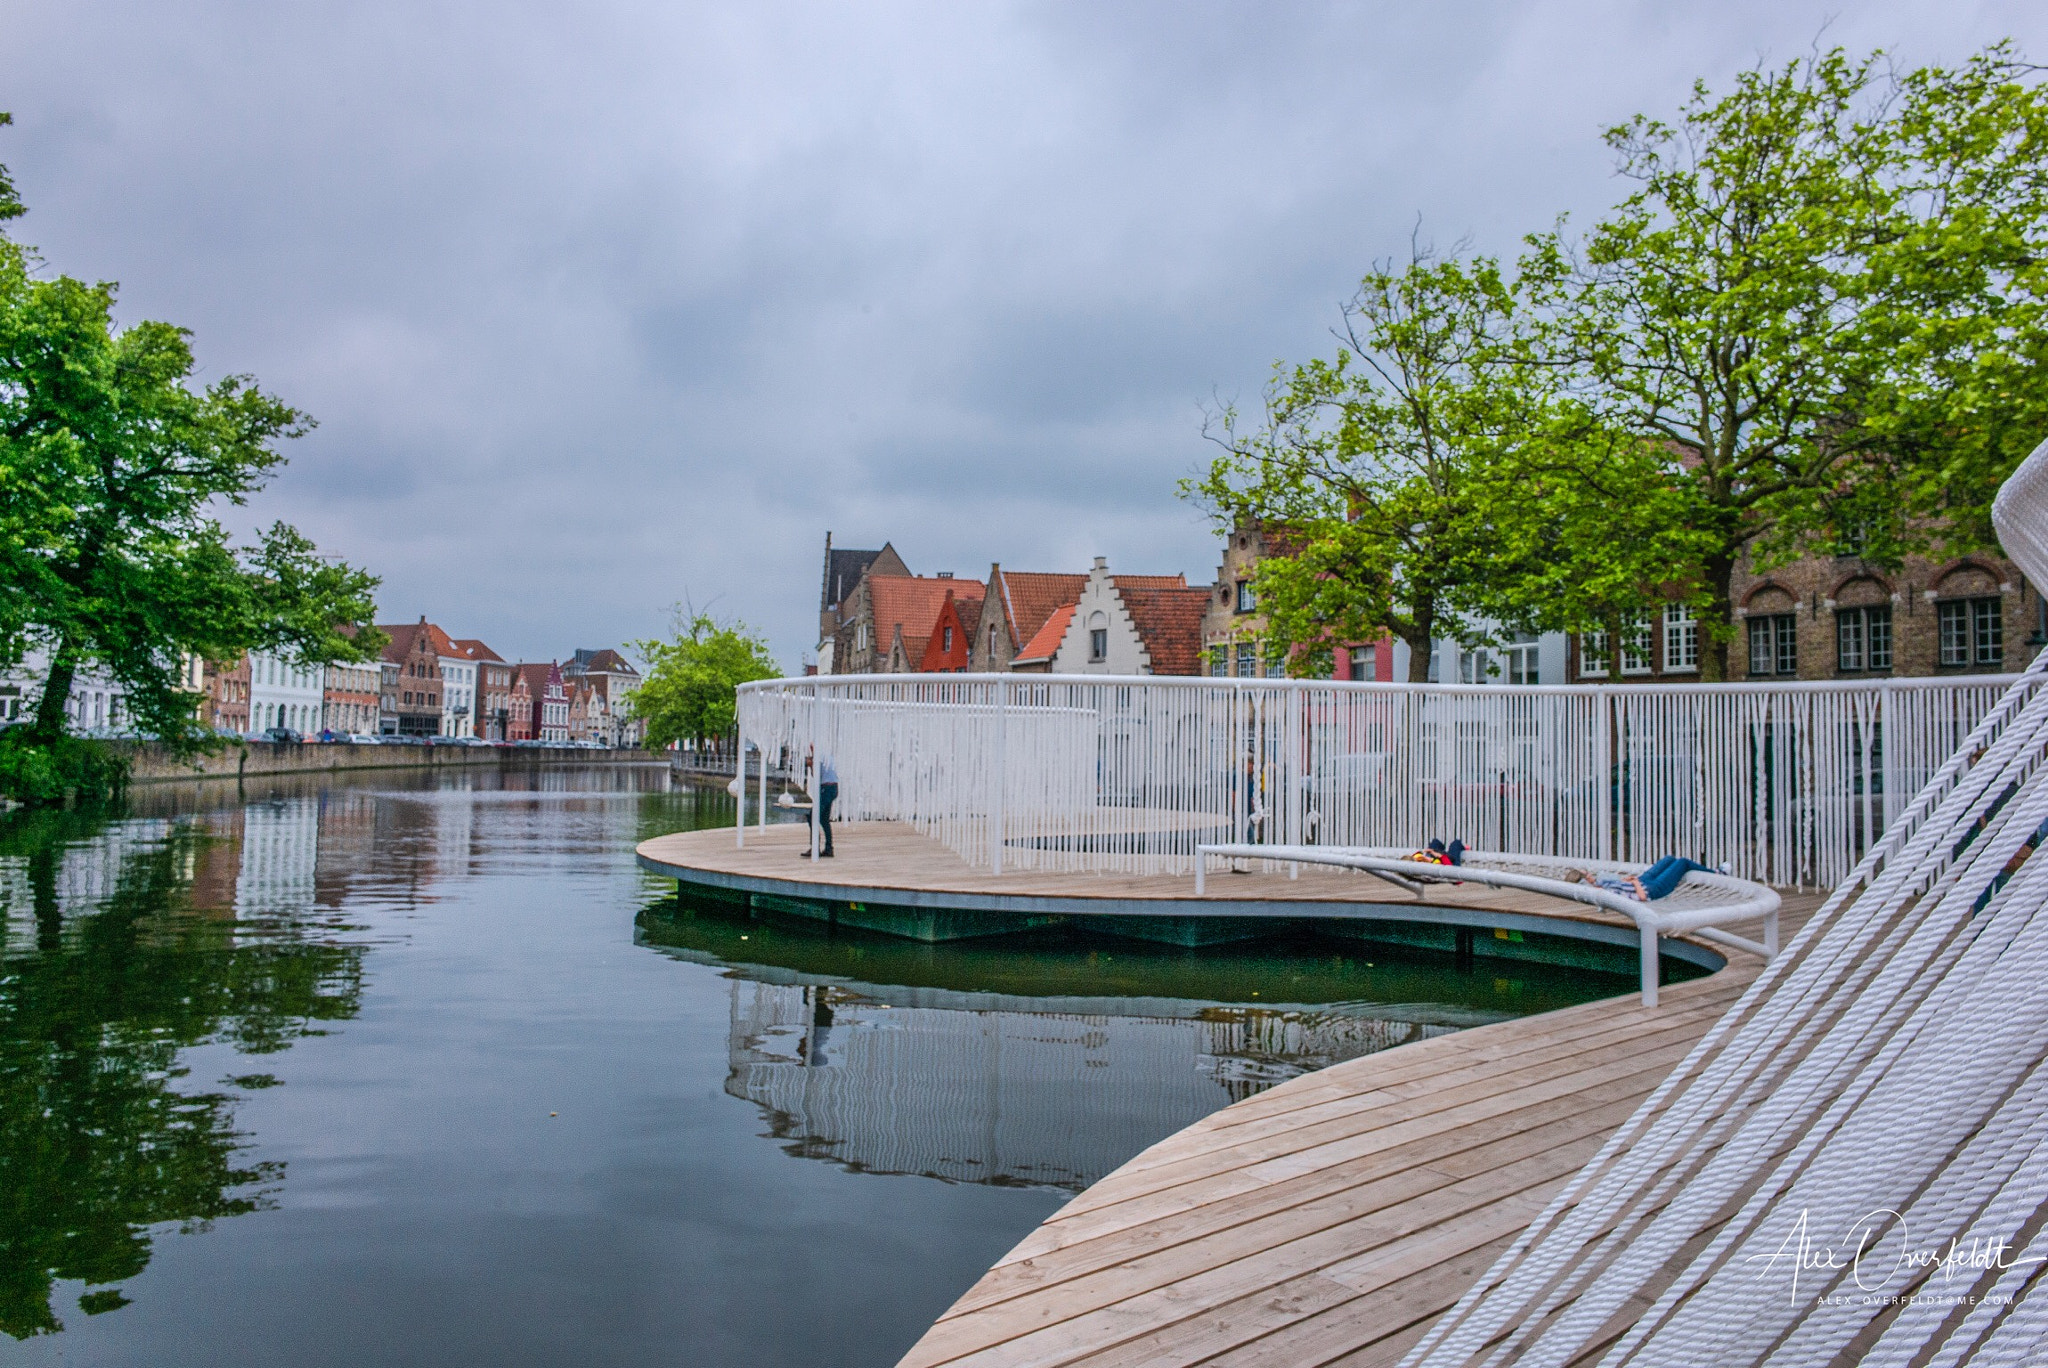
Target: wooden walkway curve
{"points": [[1330, 1219]]}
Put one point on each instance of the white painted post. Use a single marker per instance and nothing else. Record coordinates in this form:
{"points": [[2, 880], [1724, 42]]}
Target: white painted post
{"points": [[1605, 777], [811, 777], [761, 819], [739, 774], [1649, 934], [995, 806]]}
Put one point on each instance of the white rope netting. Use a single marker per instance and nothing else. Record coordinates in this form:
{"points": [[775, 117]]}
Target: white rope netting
{"points": [[1852, 1166]]}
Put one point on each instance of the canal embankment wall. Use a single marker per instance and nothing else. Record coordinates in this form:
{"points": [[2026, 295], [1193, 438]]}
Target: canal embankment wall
{"points": [[153, 764]]}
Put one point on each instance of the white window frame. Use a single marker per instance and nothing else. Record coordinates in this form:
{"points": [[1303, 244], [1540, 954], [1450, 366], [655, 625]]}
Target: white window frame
{"points": [[1681, 639]]}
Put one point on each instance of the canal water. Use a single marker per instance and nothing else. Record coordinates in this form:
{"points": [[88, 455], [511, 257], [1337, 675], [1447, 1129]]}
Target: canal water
{"points": [[423, 1070]]}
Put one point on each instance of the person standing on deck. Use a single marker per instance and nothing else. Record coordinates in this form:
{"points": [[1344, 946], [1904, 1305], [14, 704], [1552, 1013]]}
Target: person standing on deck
{"points": [[826, 793]]}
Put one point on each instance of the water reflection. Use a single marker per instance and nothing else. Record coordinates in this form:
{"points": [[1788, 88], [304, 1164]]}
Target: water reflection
{"points": [[121, 945], [1050, 1059]]}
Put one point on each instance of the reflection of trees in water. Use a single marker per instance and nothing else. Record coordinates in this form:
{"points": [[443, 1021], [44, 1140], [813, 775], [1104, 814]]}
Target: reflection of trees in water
{"points": [[119, 946]]}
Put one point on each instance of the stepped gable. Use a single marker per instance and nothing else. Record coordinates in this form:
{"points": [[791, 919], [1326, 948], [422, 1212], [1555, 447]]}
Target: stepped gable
{"points": [[1046, 641], [1169, 621], [909, 605]]}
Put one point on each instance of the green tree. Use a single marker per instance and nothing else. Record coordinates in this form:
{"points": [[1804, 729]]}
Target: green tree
{"points": [[688, 693], [1430, 481], [1823, 305], [112, 466]]}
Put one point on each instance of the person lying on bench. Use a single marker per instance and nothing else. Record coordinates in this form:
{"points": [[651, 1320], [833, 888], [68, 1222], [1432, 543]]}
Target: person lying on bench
{"points": [[1655, 882], [1437, 853]]}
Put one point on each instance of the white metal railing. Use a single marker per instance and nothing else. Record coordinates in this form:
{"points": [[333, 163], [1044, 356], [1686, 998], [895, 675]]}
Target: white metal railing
{"points": [[1784, 783]]}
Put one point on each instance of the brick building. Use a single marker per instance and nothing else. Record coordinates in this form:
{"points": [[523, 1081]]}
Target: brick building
{"points": [[1827, 617], [351, 697], [227, 696], [1017, 606], [549, 705], [519, 707], [411, 686], [844, 570], [949, 646], [615, 681], [886, 622]]}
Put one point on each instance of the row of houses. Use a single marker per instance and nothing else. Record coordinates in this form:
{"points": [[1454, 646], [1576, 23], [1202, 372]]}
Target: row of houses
{"points": [[1821, 617], [427, 685], [876, 617]]}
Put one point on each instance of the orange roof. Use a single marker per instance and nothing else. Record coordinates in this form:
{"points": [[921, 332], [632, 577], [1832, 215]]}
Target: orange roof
{"points": [[911, 603], [1169, 622], [476, 650], [1048, 637], [402, 640], [1029, 597]]}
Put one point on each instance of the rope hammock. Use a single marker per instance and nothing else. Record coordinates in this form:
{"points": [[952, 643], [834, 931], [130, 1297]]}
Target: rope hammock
{"points": [[1852, 1165]]}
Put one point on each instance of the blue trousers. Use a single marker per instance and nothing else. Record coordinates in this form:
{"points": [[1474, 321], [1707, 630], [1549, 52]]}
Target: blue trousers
{"points": [[827, 795], [1660, 878]]}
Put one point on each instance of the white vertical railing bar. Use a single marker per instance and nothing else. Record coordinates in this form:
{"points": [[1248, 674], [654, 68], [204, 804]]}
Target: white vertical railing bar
{"points": [[1786, 783]]}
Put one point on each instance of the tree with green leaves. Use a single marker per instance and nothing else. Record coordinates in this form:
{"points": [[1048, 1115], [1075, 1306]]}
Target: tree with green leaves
{"points": [[113, 465], [689, 690], [1430, 482], [1823, 305]]}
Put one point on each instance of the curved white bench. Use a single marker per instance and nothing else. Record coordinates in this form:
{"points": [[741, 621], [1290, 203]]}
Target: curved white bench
{"points": [[1701, 905]]}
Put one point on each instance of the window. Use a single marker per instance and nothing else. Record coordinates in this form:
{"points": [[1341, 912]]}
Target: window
{"points": [[1098, 643], [1246, 600], [1474, 667], [1635, 642], [1247, 660], [1365, 662], [1681, 638], [1519, 660], [1972, 631], [991, 640], [1774, 644], [1863, 638], [946, 641], [1275, 666], [1219, 660], [1592, 653]]}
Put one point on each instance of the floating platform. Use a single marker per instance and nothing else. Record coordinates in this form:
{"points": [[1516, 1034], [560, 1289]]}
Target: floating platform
{"points": [[888, 877]]}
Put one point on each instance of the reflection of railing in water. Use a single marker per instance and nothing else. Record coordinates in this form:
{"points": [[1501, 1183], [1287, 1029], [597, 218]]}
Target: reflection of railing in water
{"points": [[1042, 1098], [1783, 782]]}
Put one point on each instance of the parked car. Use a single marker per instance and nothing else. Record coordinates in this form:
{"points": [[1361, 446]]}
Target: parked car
{"points": [[281, 736]]}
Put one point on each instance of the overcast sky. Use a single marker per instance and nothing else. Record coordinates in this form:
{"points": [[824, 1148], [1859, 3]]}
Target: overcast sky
{"points": [[605, 306]]}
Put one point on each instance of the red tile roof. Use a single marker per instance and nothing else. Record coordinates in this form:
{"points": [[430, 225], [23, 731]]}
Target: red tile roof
{"points": [[1169, 622], [476, 650], [1150, 581], [1047, 638], [1029, 597], [911, 603]]}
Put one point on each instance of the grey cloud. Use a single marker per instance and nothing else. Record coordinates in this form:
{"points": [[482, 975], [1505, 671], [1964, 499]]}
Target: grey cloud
{"points": [[599, 306]]}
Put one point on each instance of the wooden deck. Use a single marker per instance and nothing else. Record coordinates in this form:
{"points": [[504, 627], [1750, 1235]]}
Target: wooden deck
{"points": [[1328, 1220]]}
